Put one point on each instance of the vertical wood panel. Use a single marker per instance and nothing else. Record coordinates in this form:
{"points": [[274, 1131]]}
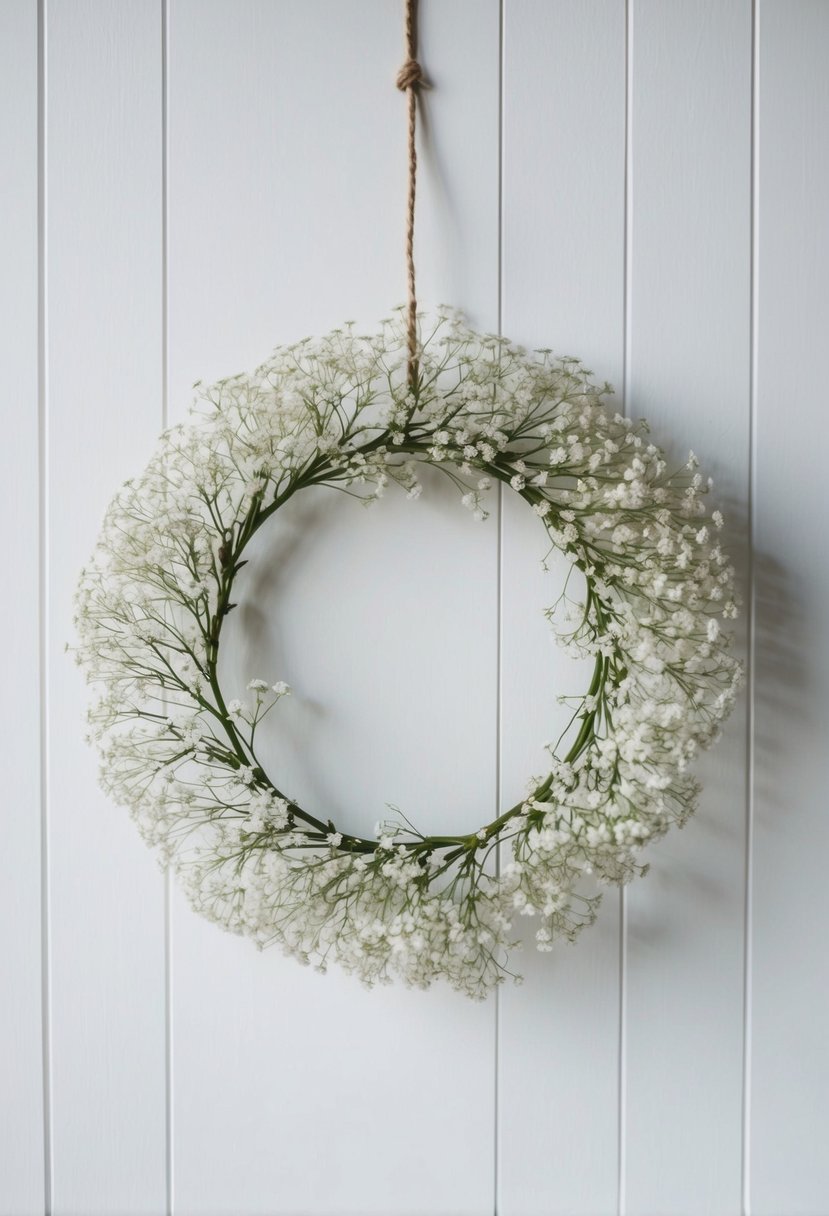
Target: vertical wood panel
{"points": [[287, 196], [21, 1075], [104, 408], [688, 373], [563, 286], [790, 900]]}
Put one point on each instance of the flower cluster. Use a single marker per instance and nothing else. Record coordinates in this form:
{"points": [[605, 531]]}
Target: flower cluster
{"points": [[340, 411]]}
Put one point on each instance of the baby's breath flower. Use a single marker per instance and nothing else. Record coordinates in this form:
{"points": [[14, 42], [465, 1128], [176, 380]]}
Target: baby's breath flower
{"points": [[151, 605]]}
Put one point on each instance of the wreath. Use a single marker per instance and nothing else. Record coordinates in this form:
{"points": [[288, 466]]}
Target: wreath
{"points": [[343, 412]]}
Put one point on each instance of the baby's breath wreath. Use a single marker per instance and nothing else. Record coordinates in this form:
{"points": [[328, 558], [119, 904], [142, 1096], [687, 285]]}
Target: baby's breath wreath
{"points": [[347, 412], [358, 413]]}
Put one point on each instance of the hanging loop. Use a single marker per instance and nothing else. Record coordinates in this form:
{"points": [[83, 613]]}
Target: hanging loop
{"points": [[410, 80]]}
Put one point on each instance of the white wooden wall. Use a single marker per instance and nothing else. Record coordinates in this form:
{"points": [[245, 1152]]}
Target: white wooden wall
{"points": [[183, 185]]}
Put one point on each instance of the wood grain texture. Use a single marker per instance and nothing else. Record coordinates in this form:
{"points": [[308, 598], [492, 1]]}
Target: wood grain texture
{"points": [[563, 286], [21, 1029], [294, 1093], [688, 370], [103, 319], [788, 1167]]}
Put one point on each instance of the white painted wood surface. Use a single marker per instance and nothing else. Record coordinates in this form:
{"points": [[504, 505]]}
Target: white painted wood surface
{"points": [[21, 1031], [563, 286], [371, 618], [688, 371], [641, 185], [103, 337], [789, 967]]}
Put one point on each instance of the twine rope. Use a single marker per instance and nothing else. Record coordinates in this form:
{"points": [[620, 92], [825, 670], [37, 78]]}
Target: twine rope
{"points": [[410, 79]]}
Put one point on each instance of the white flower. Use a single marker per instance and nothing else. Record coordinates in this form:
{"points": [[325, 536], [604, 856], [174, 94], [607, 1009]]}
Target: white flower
{"points": [[150, 604]]}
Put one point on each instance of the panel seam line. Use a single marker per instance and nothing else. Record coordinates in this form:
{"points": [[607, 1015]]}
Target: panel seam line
{"points": [[499, 606], [627, 210], [745, 1128], [168, 927], [43, 624]]}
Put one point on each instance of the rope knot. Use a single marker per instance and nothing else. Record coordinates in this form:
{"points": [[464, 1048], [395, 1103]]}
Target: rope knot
{"points": [[411, 76]]}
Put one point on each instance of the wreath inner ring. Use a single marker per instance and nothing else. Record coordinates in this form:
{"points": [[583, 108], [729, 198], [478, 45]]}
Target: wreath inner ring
{"points": [[318, 832]]}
